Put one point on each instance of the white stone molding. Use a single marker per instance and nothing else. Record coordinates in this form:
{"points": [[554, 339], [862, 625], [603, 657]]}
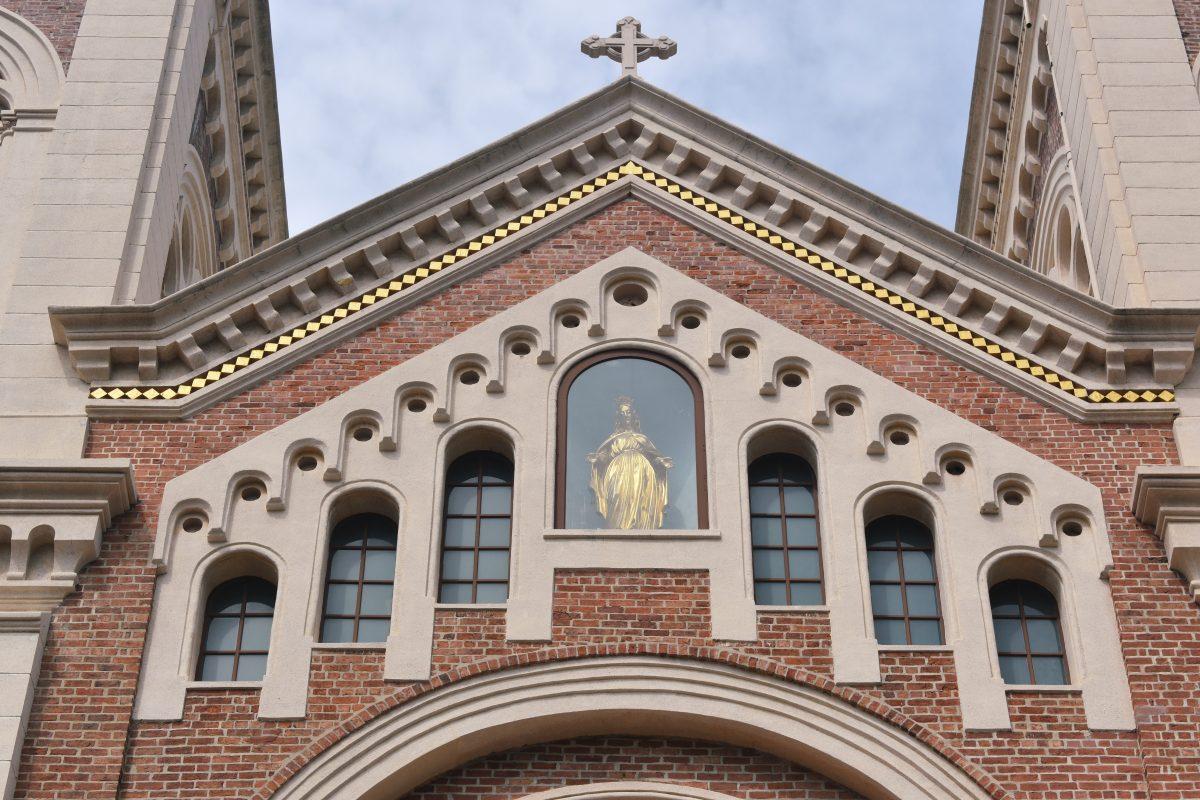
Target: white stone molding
{"points": [[1168, 499], [628, 790], [192, 251], [629, 695], [749, 410], [52, 515], [22, 638], [204, 328], [31, 75], [1060, 250]]}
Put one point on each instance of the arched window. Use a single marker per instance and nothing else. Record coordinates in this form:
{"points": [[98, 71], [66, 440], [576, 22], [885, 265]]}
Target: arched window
{"points": [[237, 631], [1029, 638], [359, 580], [783, 531], [630, 449], [477, 529], [904, 596]]}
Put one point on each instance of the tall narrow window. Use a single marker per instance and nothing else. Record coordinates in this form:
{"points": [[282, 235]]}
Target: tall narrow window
{"points": [[359, 580], [904, 596], [1029, 636], [783, 531], [630, 452], [237, 631], [477, 529]]}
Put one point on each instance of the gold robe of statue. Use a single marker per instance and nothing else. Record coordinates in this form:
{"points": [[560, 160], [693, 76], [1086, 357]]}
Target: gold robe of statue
{"points": [[629, 475]]}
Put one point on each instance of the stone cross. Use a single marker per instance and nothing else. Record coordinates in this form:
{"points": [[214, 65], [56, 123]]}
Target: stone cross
{"points": [[628, 46]]}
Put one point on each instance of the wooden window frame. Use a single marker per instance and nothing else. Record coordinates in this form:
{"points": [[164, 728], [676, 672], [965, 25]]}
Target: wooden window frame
{"points": [[783, 517], [363, 551], [1028, 654], [904, 583], [478, 516], [562, 424], [237, 652]]}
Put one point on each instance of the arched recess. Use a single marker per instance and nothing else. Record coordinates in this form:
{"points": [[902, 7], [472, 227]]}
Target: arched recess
{"points": [[192, 253], [1059, 248], [636, 695], [31, 75]]}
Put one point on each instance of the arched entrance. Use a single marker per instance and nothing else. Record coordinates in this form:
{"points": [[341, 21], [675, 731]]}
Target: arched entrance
{"points": [[644, 695]]}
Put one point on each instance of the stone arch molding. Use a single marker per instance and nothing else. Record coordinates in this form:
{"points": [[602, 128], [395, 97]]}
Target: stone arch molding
{"points": [[419, 410], [644, 695], [31, 75]]}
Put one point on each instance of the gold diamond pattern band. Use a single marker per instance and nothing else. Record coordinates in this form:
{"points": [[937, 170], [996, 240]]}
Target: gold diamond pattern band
{"points": [[802, 256]]}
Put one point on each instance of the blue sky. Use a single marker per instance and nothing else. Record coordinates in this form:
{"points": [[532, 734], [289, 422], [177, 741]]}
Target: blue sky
{"points": [[374, 93]]}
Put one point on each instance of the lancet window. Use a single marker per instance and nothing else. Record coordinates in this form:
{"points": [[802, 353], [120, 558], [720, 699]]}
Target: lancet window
{"points": [[477, 529], [904, 589], [237, 631], [783, 531], [1028, 630], [359, 580]]}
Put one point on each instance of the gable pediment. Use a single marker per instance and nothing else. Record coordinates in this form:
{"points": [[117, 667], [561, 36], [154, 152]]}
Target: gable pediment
{"points": [[206, 343]]}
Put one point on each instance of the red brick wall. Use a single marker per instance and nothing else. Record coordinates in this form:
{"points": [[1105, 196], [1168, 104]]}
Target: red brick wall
{"points": [[1188, 12], [57, 19], [602, 759], [81, 743]]}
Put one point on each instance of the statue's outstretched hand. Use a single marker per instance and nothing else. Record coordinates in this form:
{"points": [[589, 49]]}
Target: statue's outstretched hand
{"points": [[666, 461]]}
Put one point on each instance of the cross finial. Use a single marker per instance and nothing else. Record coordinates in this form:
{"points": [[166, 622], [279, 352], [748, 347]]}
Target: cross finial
{"points": [[628, 46]]}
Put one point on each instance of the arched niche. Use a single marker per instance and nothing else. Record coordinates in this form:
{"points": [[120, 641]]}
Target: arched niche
{"points": [[31, 75]]}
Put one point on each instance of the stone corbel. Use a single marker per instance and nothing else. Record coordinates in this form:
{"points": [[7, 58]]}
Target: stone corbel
{"points": [[52, 517], [1168, 498]]}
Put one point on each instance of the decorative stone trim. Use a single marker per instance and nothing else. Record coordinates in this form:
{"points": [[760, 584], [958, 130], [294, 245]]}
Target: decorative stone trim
{"points": [[840, 733], [629, 790], [1167, 498], [1114, 356], [512, 398], [52, 515]]}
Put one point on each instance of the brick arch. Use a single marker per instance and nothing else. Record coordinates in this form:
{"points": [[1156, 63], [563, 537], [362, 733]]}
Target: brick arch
{"points": [[395, 744]]}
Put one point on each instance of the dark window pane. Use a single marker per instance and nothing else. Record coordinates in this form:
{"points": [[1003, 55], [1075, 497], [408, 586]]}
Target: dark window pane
{"points": [[886, 601], [770, 594], [260, 595], [1043, 636], [890, 631], [1005, 601], [463, 470], [251, 668], [795, 469], [256, 633], [216, 668], [492, 593], [344, 564], [913, 534], [455, 593], [764, 499], [462, 500], [766, 531], [340, 598], [925, 631], [496, 468], [337, 630], [765, 469], [798, 500], [1014, 670], [222, 633], [377, 599], [922, 601], [918, 565], [226, 598], [460, 532], [801, 532], [807, 594], [883, 565], [879, 535], [1049, 670], [381, 532], [768, 564], [497, 500], [1038, 602], [493, 565], [458, 565], [804, 565], [493, 532], [347, 535], [373, 630], [1009, 638], [380, 566]]}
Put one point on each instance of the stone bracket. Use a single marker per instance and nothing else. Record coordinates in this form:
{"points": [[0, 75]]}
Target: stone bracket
{"points": [[1168, 499]]}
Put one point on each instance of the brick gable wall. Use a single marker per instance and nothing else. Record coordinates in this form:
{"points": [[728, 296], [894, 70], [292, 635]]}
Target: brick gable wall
{"points": [[81, 743], [57, 19]]}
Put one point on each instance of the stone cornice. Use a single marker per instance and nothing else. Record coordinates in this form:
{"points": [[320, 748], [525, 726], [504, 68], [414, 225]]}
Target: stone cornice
{"points": [[103, 487], [525, 185], [1168, 499]]}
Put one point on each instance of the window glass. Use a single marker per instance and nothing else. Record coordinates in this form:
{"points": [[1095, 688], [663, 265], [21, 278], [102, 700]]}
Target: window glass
{"points": [[359, 579], [476, 529], [1028, 632], [629, 456], [786, 553], [904, 595], [237, 631]]}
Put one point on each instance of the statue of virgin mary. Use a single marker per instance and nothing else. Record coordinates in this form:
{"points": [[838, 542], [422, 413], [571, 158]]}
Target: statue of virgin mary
{"points": [[629, 475]]}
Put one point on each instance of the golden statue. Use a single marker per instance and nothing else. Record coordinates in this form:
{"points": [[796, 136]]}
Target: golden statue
{"points": [[629, 475]]}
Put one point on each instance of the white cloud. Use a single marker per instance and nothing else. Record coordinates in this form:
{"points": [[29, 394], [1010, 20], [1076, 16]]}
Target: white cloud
{"points": [[374, 93]]}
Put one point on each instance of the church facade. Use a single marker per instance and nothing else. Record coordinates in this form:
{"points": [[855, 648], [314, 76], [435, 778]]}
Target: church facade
{"points": [[628, 457]]}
